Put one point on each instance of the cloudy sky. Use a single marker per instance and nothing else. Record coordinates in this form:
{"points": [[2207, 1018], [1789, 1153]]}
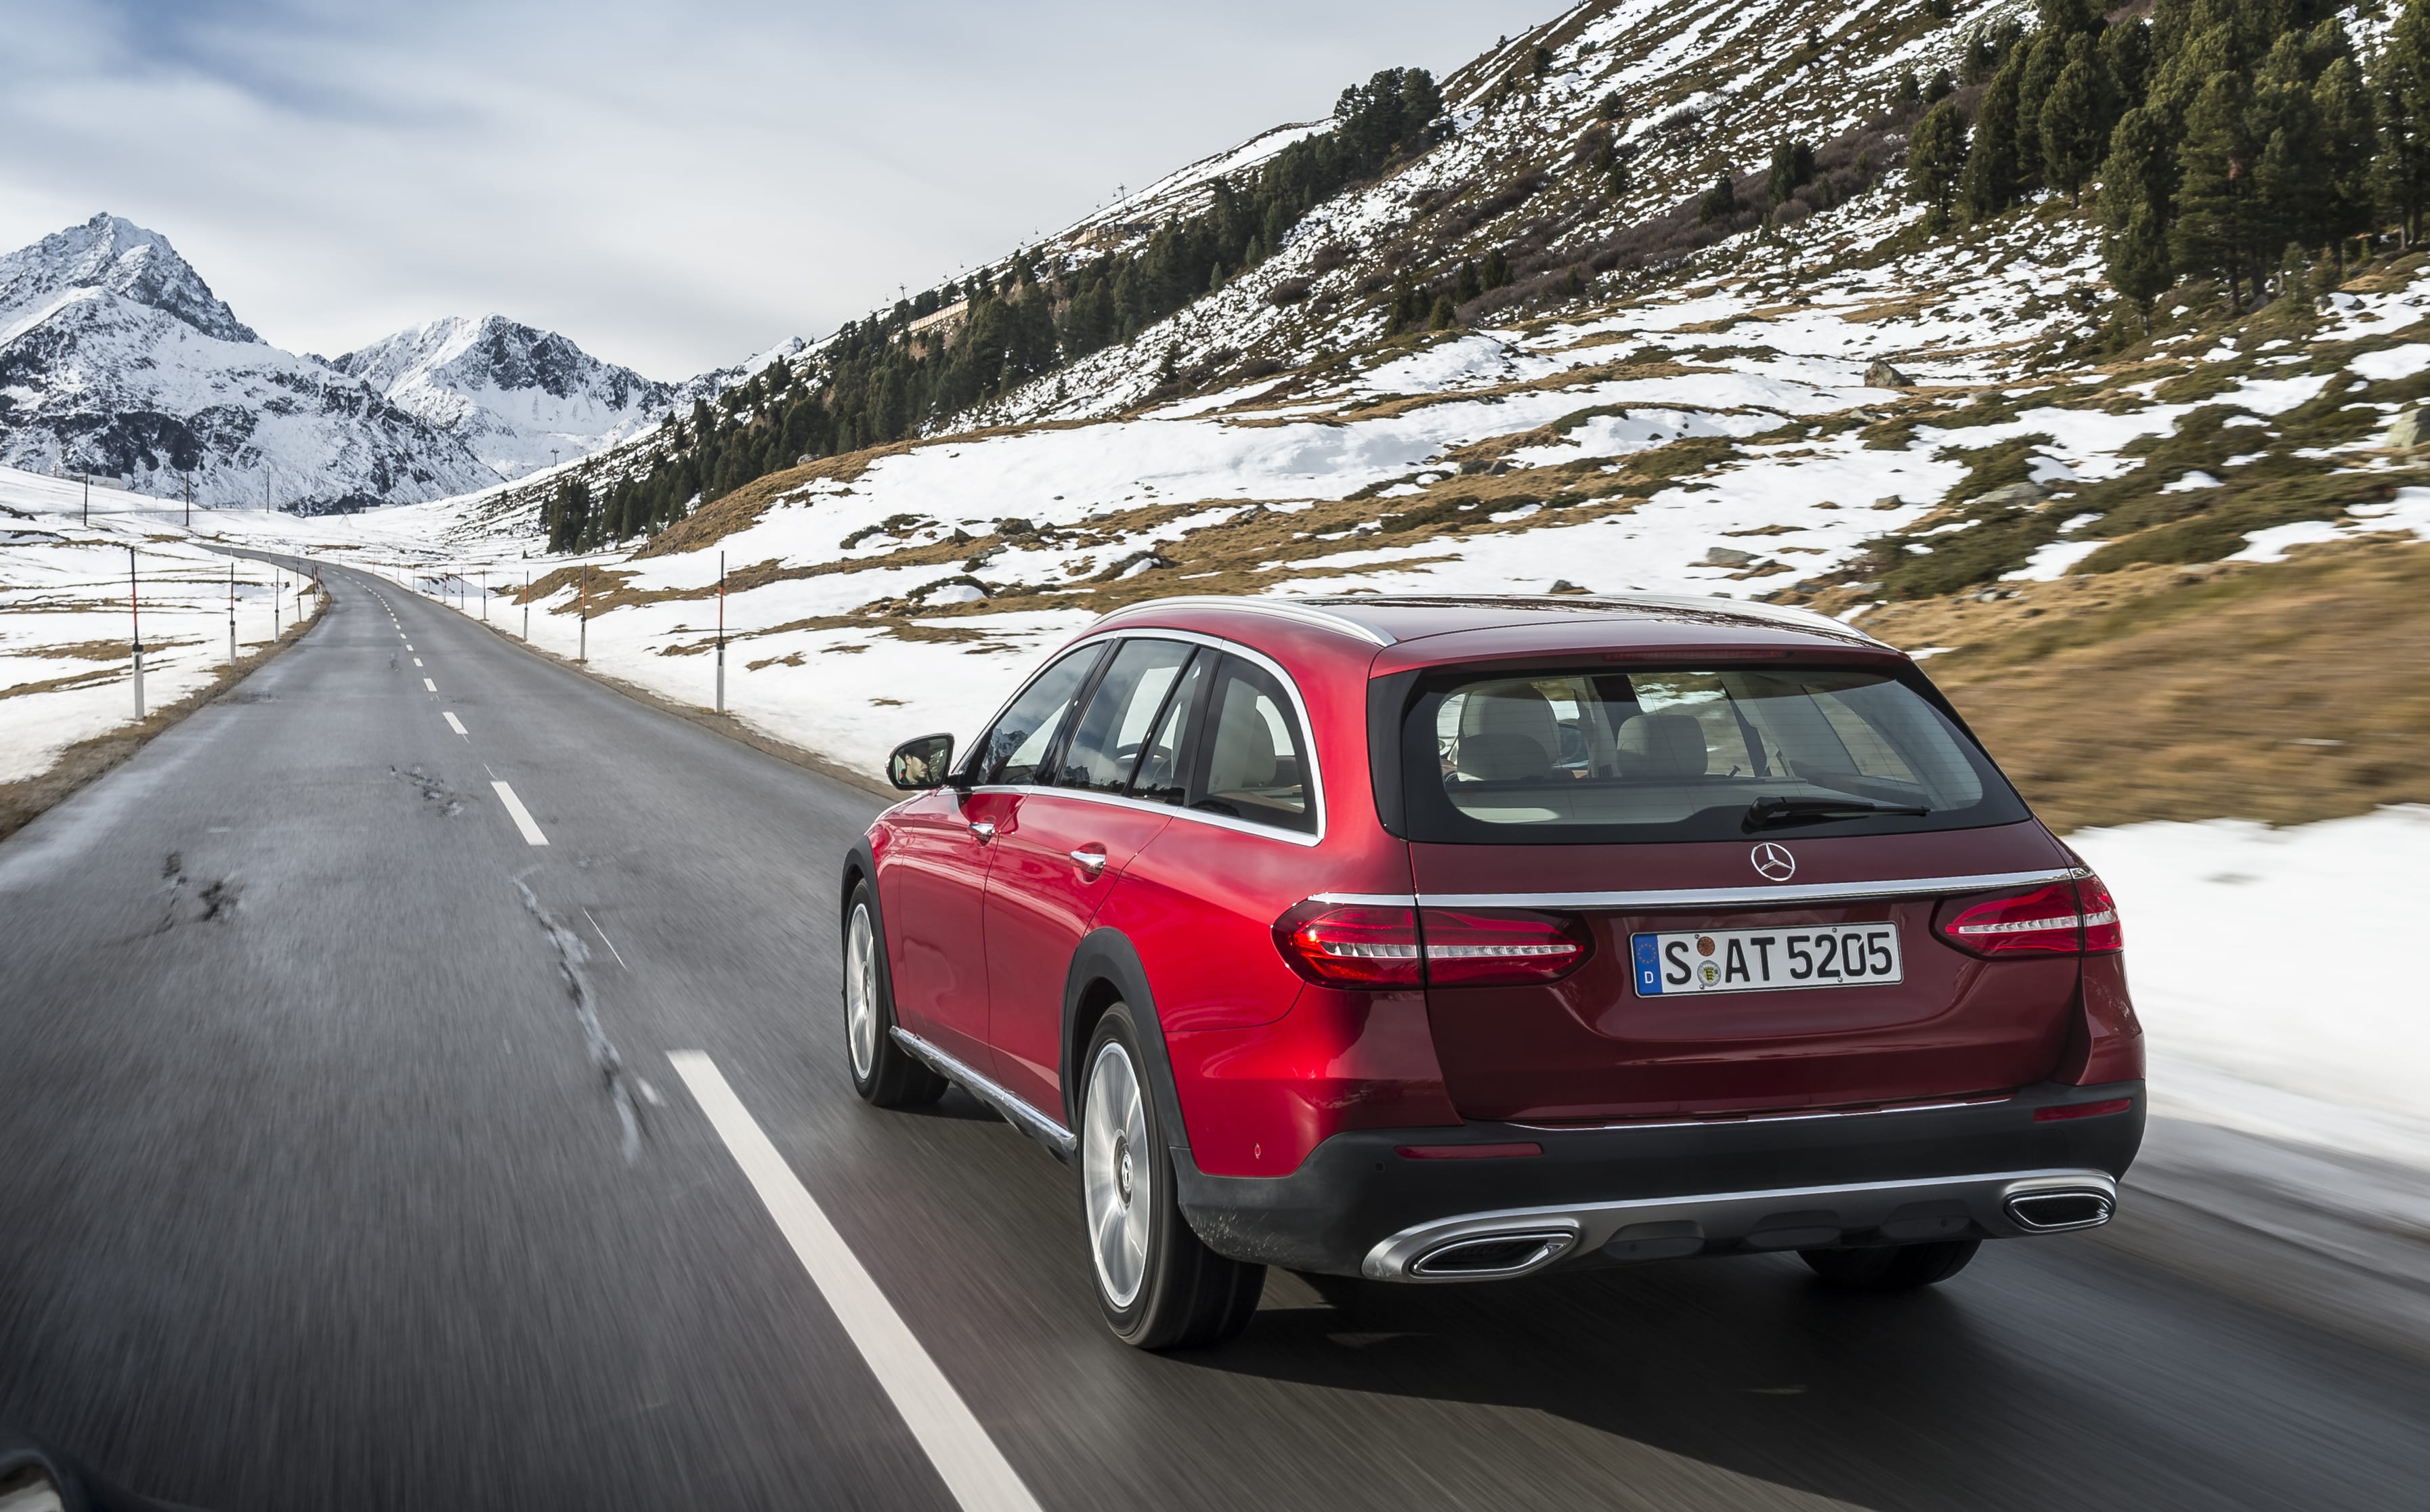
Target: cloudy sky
{"points": [[673, 185]]}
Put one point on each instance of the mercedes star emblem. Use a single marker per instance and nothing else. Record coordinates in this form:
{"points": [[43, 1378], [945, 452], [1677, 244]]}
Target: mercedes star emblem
{"points": [[1774, 861]]}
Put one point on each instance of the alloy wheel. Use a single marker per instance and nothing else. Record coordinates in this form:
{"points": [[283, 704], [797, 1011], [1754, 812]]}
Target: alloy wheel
{"points": [[1116, 1167], [861, 993]]}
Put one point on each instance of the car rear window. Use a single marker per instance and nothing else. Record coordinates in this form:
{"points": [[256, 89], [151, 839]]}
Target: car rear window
{"points": [[1599, 755]]}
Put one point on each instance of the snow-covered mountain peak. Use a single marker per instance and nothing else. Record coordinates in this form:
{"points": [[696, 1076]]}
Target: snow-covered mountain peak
{"points": [[515, 394], [118, 257]]}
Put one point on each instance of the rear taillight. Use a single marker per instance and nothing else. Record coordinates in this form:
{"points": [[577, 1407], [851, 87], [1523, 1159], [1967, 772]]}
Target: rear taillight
{"points": [[1499, 949], [2058, 919], [1370, 946], [1352, 944]]}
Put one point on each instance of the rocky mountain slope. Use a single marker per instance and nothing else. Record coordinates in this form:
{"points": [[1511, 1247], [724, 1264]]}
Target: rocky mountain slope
{"points": [[519, 399], [118, 361]]}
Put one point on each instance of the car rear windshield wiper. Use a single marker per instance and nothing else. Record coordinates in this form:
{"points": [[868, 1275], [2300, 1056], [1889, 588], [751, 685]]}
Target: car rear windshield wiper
{"points": [[1766, 813]]}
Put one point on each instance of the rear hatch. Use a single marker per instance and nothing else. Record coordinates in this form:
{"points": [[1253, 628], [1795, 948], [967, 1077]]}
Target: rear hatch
{"points": [[1753, 858]]}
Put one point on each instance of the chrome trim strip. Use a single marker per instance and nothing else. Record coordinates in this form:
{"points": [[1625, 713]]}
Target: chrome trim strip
{"points": [[1793, 1115], [1776, 895], [1730, 1217], [1371, 900], [1016, 1112], [1279, 609]]}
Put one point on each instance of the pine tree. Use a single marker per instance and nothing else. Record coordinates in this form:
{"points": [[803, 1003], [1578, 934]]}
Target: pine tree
{"points": [[2040, 70], [1497, 270], [1792, 167], [2348, 143], [2216, 215], [2125, 58], [1908, 97], [1989, 183], [1467, 287], [2400, 86], [2071, 131], [1444, 316], [1720, 202], [1934, 160], [1978, 64]]}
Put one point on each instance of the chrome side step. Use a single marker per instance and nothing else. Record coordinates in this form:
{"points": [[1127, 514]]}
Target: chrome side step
{"points": [[1515, 1241], [1016, 1112]]}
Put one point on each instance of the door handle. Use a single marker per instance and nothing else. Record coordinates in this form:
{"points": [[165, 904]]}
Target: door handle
{"points": [[1092, 862], [984, 829]]}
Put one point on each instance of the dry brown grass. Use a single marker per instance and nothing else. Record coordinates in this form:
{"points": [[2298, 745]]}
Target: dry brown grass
{"points": [[2283, 693]]}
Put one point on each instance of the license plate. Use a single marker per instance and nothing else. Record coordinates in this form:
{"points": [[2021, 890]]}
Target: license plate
{"points": [[1765, 960]]}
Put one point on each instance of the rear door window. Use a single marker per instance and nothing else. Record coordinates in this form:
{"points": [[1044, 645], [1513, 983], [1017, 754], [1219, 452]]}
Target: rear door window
{"points": [[1120, 717], [1594, 755], [1024, 734], [1164, 766], [1252, 759]]}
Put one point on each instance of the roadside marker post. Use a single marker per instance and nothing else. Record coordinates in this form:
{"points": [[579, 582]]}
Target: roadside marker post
{"points": [[721, 632], [135, 615], [582, 653], [231, 614], [526, 606]]}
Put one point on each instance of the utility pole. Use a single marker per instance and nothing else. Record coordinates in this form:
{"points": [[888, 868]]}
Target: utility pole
{"points": [[721, 632], [135, 615]]}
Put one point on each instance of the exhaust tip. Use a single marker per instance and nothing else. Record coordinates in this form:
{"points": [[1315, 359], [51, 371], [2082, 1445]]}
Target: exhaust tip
{"points": [[2052, 1212], [1480, 1255]]}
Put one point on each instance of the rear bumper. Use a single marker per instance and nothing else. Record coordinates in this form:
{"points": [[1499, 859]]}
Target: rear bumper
{"points": [[1618, 1195]]}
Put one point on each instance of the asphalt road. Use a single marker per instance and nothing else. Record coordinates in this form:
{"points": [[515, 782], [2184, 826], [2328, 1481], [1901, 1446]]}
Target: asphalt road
{"points": [[324, 1183]]}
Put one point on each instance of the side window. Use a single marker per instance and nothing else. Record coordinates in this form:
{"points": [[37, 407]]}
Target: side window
{"points": [[1114, 728], [1011, 752], [1163, 768], [1255, 763]]}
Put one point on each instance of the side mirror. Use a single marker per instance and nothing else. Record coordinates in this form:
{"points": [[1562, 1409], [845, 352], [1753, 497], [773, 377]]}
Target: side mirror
{"points": [[921, 764]]}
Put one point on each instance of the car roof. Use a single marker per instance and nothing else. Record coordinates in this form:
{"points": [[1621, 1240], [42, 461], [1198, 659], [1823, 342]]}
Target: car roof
{"points": [[1389, 619]]}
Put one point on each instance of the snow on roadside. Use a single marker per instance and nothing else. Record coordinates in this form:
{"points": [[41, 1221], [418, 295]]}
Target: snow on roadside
{"points": [[65, 669], [2274, 973]]}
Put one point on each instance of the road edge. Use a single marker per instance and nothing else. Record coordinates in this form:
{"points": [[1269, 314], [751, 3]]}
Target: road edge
{"points": [[95, 756]]}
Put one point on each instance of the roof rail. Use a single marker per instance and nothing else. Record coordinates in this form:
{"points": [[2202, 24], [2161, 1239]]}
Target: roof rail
{"points": [[1279, 609]]}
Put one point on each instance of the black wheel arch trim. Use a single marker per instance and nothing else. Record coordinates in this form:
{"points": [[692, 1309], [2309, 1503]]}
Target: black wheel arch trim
{"points": [[1107, 955]]}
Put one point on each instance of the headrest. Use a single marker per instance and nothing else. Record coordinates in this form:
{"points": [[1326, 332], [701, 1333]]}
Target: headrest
{"points": [[1245, 743], [1662, 745]]}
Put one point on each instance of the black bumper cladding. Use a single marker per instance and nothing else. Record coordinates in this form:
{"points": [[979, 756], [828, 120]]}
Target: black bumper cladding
{"points": [[1619, 1195]]}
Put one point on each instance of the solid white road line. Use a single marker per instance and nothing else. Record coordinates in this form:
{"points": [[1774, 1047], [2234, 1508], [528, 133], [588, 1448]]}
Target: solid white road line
{"points": [[427, 686], [521, 816], [455, 723], [973, 1467]]}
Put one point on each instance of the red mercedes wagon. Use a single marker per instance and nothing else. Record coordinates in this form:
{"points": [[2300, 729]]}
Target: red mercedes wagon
{"points": [[1433, 939]]}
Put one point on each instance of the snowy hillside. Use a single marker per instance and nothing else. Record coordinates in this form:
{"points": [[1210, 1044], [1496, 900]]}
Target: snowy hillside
{"points": [[518, 398], [81, 575]]}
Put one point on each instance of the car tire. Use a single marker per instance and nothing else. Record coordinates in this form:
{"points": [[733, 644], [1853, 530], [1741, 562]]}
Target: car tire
{"points": [[1892, 1268], [883, 1072], [1159, 1286]]}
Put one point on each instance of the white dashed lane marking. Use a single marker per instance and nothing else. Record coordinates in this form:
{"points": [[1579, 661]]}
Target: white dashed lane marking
{"points": [[455, 723], [521, 816], [427, 686], [417, 661], [973, 1467]]}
